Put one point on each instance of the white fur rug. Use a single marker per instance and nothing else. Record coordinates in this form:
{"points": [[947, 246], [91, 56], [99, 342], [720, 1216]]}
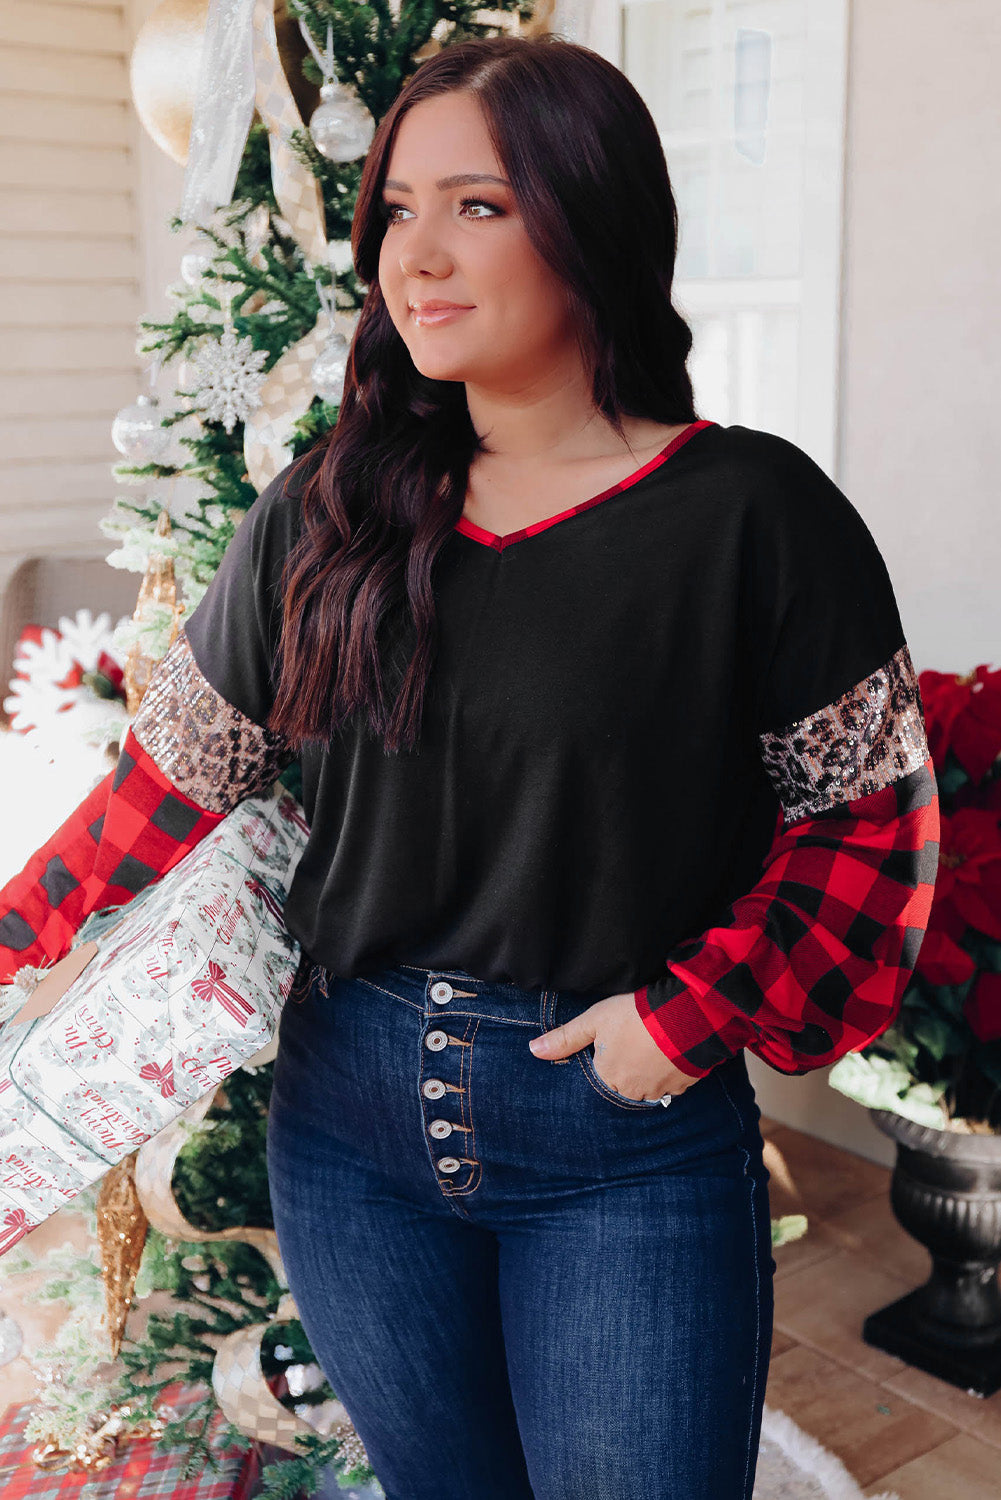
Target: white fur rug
{"points": [[794, 1466], [791, 1466]]}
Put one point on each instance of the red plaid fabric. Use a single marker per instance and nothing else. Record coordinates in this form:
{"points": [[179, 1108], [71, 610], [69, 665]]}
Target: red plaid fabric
{"points": [[132, 828], [141, 1471], [813, 961]]}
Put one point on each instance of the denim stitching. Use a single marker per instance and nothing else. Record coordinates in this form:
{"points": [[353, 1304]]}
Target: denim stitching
{"points": [[302, 981], [548, 1017], [402, 998], [605, 1091], [446, 973], [465, 1074], [757, 1276], [477, 1015]]}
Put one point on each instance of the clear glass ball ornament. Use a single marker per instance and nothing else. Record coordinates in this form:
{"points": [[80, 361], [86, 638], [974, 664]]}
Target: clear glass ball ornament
{"points": [[11, 1338], [341, 126], [136, 431], [329, 368], [196, 262]]}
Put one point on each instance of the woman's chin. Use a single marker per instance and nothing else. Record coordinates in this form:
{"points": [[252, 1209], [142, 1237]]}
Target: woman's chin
{"points": [[442, 367]]}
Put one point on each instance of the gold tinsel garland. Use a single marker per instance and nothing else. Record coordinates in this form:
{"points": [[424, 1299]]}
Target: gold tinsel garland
{"points": [[121, 1223]]}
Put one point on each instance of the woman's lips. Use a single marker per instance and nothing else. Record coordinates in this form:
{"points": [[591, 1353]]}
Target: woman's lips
{"points": [[440, 315]]}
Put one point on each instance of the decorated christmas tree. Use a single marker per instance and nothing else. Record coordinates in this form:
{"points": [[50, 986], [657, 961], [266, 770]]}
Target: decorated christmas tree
{"points": [[244, 376]]}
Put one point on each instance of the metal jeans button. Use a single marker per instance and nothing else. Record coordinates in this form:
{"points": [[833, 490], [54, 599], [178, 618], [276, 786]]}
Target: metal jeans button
{"points": [[440, 1129], [441, 993], [433, 1088], [435, 1040], [449, 1164]]}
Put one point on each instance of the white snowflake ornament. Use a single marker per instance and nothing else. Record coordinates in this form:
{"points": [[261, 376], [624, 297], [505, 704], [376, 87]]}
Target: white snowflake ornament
{"points": [[86, 638], [45, 661], [33, 704], [227, 378]]}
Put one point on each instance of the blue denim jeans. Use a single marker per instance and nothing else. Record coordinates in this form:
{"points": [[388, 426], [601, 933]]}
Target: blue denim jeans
{"points": [[522, 1284]]}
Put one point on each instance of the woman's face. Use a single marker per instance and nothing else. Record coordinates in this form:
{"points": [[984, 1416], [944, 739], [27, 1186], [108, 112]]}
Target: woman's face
{"points": [[476, 253]]}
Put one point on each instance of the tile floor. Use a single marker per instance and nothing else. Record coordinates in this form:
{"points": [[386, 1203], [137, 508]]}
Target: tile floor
{"points": [[893, 1427]]}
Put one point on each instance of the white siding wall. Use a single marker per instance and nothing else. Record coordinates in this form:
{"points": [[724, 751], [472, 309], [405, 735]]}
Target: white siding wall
{"points": [[70, 267]]}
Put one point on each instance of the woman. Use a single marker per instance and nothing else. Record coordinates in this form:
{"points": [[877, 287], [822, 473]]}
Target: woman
{"points": [[615, 766]]}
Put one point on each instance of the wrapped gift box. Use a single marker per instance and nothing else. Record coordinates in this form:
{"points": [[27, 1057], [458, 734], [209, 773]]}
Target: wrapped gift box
{"points": [[155, 1015], [140, 1471]]}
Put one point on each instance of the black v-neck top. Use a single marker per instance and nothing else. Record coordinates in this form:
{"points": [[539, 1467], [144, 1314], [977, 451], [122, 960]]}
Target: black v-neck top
{"points": [[589, 787]]}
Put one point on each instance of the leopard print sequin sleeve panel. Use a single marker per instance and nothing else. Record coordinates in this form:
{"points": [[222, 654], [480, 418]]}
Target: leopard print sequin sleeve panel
{"points": [[211, 751], [870, 736]]}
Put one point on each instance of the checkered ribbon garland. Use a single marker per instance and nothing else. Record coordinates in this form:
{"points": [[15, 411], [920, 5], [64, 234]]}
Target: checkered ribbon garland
{"points": [[284, 396], [296, 189]]}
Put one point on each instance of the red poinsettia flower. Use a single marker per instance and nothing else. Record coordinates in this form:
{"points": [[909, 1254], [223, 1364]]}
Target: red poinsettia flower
{"points": [[968, 886], [109, 668], [942, 961], [983, 1007], [963, 714], [986, 796]]}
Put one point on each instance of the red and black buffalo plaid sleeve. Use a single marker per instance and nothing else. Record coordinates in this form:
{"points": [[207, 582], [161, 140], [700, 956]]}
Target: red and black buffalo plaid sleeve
{"points": [[196, 748], [813, 960], [132, 828], [187, 759]]}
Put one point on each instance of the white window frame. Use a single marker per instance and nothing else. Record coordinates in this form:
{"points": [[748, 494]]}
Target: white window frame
{"points": [[815, 295]]}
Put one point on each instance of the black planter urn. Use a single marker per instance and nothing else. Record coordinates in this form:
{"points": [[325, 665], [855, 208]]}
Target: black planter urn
{"points": [[946, 1192]]}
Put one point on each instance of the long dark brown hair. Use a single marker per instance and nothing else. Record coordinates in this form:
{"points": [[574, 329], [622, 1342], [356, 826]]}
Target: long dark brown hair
{"points": [[590, 182]]}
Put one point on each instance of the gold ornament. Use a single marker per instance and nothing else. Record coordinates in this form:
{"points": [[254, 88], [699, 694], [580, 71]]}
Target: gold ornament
{"points": [[159, 586], [109, 1431], [165, 63], [121, 1235]]}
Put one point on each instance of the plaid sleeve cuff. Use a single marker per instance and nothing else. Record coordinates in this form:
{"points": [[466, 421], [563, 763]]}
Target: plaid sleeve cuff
{"points": [[814, 960]]}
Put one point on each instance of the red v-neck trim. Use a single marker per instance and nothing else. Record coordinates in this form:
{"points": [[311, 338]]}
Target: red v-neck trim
{"points": [[491, 539]]}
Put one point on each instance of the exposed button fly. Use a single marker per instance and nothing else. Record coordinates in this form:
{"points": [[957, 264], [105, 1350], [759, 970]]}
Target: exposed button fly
{"points": [[433, 1088], [441, 993], [435, 1040], [449, 1164], [440, 1128]]}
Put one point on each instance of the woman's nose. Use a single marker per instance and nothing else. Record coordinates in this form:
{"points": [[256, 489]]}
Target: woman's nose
{"points": [[424, 253]]}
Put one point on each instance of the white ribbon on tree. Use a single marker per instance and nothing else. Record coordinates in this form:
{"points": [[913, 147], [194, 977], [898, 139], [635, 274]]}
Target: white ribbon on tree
{"points": [[223, 109], [240, 69]]}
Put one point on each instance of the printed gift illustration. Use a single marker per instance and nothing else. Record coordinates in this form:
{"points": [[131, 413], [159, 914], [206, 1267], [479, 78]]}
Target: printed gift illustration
{"points": [[176, 996]]}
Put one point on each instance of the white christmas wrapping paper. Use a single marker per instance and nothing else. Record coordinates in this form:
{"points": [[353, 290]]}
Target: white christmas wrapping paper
{"points": [[175, 999]]}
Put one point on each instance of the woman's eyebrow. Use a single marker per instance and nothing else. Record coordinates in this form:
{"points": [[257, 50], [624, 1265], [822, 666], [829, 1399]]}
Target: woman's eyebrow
{"points": [[459, 179]]}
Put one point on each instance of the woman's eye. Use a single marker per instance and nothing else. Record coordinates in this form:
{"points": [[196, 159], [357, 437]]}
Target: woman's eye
{"points": [[389, 209], [479, 203]]}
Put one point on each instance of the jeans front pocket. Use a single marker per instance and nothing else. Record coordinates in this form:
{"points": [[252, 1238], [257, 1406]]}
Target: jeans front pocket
{"points": [[586, 1059]]}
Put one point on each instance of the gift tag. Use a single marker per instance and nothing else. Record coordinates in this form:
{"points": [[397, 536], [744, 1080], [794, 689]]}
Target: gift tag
{"points": [[55, 984]]}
